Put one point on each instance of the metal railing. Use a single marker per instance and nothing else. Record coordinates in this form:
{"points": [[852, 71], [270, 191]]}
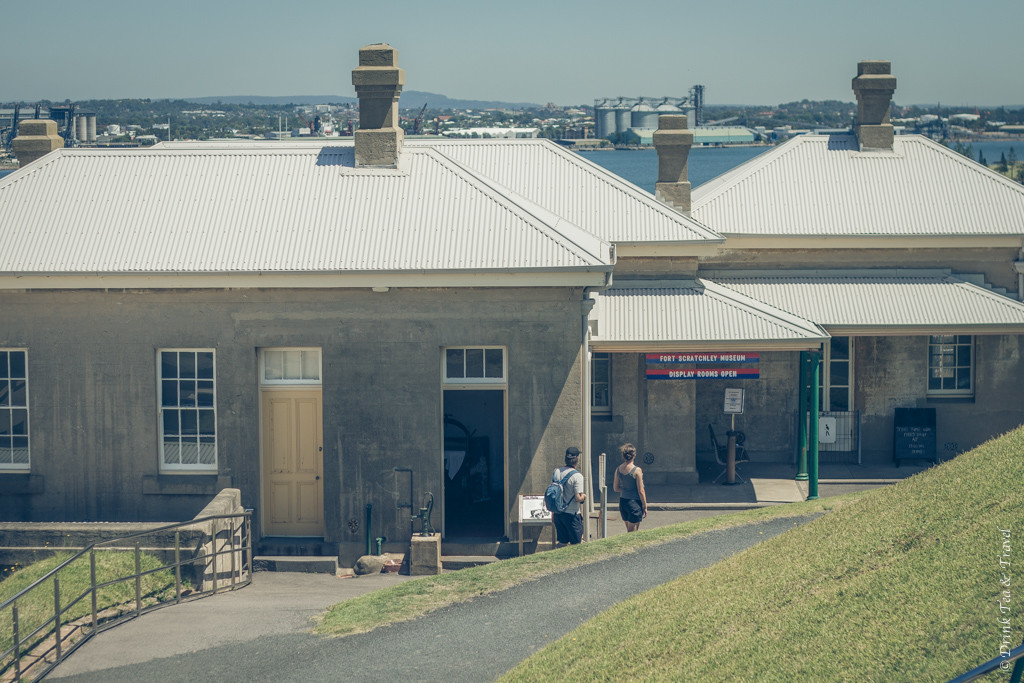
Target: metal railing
{"points": [[1002, 662], [35, 640]]}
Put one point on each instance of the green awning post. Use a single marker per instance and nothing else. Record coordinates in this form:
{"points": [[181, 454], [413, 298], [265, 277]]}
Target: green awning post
{"points": [[801, 426], [812, 456]]}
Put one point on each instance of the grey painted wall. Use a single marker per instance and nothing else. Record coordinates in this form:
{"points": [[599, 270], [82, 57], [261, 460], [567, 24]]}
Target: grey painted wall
{"points": [[93, 398]]}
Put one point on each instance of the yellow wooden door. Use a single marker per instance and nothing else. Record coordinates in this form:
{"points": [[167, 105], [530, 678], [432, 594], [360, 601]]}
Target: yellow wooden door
{"points": [[293, 487]]}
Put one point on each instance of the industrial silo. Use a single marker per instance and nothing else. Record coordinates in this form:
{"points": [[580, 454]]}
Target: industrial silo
{"points": [[604, 118], [91, 127], [643, 115], [667, 107], [621, 117], [81, 129]]}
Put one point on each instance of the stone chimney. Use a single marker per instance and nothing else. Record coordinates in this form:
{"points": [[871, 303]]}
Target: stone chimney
{"points": [[36, 138], [874, 86], [378, 82], [673, 141]]}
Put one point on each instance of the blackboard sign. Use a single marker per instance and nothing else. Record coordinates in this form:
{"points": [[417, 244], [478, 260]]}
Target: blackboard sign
{"points": [[913, 436]]}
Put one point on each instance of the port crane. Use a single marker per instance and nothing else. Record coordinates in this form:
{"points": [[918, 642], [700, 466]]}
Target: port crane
{"points": [[418, 121]]}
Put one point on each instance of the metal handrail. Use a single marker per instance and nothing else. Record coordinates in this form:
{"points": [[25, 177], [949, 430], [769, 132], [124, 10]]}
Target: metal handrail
{"points": [[27, 644], [1000, 662]]}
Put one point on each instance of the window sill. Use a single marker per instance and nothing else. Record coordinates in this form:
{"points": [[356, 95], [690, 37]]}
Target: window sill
{"points": [[949, 398], [20, 483], [197, 484]]}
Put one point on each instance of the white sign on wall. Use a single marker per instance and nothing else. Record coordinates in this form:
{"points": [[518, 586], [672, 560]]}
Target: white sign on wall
{"points": [[826, 430], [733, 401]]}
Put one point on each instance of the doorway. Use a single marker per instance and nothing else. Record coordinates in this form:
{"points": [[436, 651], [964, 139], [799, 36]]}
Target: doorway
{"points": [[474, 463], [291, 442]]}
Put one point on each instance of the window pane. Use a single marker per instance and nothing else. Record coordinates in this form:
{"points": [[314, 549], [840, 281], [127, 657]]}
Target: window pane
{"points": [[5, 392], [204, 393], [5, 422], [169, 393], [172, 452], [206, 422], [599, 368], [17, 360], [840, 348], [189, 453], [19, 422], [839, 399], [963, 379], [187, 393], [454, 363], [3, 365], [273, 364], [839, 374], [20, 447], [19, 394], [292, 365], [187, 364], [189, 422], [204, 365], [168, 364], [963, 356], [171, 423], [310, 365], [207, 453], [474, 362], [494, 362]]}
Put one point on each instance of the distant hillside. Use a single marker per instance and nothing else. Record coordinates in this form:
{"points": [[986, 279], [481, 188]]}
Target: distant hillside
{"points": [[410, 99]]}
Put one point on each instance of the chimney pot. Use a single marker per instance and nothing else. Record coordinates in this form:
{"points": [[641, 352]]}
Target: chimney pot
{"points": [[874, 86], [673, 141], [378, 82], [36, 138]]}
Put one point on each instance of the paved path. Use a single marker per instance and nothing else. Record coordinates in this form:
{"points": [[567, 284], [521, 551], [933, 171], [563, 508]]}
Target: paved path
{"points": [[263, 634]]}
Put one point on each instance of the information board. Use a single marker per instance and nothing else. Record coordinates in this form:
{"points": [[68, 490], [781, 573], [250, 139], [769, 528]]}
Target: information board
{"points": [[913, 435]]}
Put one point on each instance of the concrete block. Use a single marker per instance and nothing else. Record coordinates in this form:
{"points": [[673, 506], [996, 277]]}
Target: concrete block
{"points": [[425, 555]]}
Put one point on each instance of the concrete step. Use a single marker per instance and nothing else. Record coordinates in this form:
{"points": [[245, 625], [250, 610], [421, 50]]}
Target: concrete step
{"points": [[478, 547], [307, 564], [454, 562]]}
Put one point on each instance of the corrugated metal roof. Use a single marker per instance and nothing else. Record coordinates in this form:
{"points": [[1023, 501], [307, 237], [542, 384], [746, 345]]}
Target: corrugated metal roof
{"points": [[702, 314], [895, 303], [274, 208], [822, 185], [582, 192]]}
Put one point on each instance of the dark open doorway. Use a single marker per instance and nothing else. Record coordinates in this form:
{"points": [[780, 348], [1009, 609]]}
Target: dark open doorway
{"points": [[474, 459]]}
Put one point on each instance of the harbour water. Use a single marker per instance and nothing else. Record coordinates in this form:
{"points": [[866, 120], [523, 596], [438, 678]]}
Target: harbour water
{"points": [[640, 166]]}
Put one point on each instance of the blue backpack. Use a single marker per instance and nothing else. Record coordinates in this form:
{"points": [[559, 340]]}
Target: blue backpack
{"points": [[554, 497]]}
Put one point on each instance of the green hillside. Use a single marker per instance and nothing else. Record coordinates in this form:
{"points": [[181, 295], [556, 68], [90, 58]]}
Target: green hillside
{"points": [[899, 585]]}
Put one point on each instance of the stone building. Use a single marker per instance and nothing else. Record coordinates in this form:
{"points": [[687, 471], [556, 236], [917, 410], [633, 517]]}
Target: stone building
{"points": [[339, 328]]}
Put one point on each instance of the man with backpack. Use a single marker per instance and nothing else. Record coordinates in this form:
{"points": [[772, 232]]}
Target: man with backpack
{"points": [[568, 521]]}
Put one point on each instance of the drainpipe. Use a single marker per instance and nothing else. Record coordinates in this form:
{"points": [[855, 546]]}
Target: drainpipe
{"points": [[587, 306], [1019, 267]]}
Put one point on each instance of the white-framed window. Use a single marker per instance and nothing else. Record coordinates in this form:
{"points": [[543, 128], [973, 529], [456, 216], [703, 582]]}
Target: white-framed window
{"points": [[836, 391], [14, 451], [474, 365], [188, 409], [290, 366], [600, 384], [951, 365]]}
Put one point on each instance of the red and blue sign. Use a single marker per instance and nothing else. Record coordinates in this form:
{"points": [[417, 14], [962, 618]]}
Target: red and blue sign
{"points": [[701, 359]]}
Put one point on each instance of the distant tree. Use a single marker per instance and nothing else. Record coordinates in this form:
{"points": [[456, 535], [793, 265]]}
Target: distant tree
{"points": [[1001, 166], [1012, 158], [981, 158]]}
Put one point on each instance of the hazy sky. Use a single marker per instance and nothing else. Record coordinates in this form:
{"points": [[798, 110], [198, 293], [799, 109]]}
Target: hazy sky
{"points": [[561, 51]]}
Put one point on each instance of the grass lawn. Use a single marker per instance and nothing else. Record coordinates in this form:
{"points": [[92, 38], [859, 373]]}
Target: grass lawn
{"points": [[415, 598], [900, 584]]}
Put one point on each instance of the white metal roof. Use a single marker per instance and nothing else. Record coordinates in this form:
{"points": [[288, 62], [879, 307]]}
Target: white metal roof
{"points": [[679, 315], [884, 303], [579, 190], [275, 208], [822, 185]]}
